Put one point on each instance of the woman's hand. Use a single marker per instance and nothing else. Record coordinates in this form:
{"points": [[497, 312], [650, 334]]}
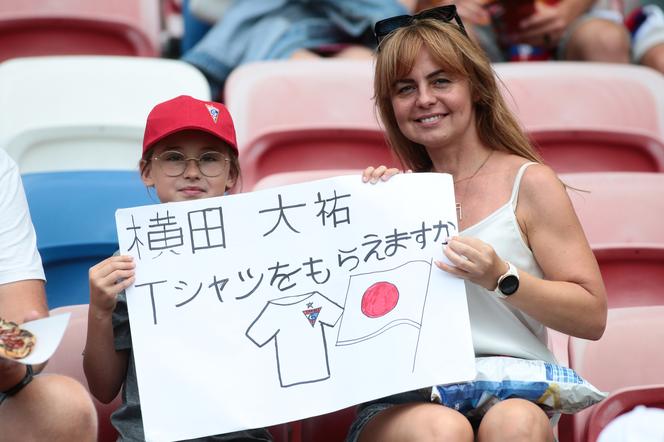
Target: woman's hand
{"points": [[473, 260], [383, 173], [108, 279]]}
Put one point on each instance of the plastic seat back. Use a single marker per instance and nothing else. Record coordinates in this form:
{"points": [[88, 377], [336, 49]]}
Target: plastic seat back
{"points": [[618, 207], [74, 218], [68, 360], [68, 27], [629, 354], [285, 178], [305, 115], [620, 402], [88, 113], [589, 117]]}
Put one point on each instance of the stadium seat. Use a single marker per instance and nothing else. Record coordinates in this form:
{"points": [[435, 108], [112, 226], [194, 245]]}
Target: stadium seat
{"points": [[331, 427], [295, 177], [576, 95], [618, 207], [305, 115], [68, 360], [632, 274], [629, 354], [619, 214], [589, 150], [69, 27], [78, 113], [622, 401], [589, 117], [74, 217]]}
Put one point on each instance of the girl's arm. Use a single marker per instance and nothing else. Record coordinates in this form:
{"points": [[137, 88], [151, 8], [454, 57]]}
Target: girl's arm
{"points": [[105, 368]]}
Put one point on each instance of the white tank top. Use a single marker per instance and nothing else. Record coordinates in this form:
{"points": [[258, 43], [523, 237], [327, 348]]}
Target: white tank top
{"points": [[497, 327]]}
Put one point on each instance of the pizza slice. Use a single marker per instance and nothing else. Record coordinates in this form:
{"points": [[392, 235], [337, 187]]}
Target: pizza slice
{"points": [[15, 342]]}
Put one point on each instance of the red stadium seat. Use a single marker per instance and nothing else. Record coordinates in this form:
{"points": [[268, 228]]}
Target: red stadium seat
{"points": [[618, 207], [622, 401], [590, 117], [331, 427], [76, 27], [68, 360], [632, 275], [592, 150], [629, 354], [305, 115], [301, 176], [573, 97]]}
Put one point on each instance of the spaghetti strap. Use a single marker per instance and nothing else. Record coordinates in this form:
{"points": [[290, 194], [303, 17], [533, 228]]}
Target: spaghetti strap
{"points": [[517, 184]]}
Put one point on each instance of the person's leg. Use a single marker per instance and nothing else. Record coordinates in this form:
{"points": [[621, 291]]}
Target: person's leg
{"points": [[52, 407], [654, 58], [417, 422], [515, 420], [597, 39]]}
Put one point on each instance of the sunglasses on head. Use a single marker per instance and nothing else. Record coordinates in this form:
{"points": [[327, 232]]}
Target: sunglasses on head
{"points": [[447, 13]]}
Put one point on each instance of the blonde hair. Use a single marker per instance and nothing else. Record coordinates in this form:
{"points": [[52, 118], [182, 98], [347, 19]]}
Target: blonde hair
{"points": [[457, 55]]}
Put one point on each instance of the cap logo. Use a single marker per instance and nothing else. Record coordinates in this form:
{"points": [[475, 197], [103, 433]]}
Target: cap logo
{"points": [[214, 112]]}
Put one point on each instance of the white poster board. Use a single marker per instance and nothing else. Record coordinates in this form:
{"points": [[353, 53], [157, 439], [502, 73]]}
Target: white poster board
{"points": [[256, 309]]}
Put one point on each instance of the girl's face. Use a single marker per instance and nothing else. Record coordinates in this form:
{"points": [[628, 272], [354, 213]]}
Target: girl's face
{"points": [[433, 108], [213, 154]]}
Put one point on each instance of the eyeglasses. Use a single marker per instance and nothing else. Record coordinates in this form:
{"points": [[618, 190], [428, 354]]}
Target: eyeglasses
{"points": [[174, 163], [446, 13]]}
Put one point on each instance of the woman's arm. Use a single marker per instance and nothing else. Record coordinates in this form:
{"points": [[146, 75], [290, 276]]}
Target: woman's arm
{"points": [[571, 297], [105, 368]]}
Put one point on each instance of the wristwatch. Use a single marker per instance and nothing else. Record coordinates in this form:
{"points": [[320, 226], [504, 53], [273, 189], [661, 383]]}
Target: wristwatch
{"points": [[22, 383], [508, 283]]}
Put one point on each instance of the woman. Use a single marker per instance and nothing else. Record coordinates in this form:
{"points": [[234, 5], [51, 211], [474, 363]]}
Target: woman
{"points": [[521, 249]]}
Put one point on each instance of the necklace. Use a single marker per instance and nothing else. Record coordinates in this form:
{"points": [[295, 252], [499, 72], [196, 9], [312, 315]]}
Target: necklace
{"points": [[469, 179]]}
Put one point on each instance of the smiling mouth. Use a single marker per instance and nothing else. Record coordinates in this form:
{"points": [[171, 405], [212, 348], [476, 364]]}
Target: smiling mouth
{"points": [[431, 118]]}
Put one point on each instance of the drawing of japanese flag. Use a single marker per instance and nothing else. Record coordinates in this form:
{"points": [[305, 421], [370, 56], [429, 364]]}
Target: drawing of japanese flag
{"points": [[378, 301]]}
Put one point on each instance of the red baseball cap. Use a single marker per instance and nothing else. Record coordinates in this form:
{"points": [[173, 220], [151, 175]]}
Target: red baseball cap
{"points": [[184, 113]]}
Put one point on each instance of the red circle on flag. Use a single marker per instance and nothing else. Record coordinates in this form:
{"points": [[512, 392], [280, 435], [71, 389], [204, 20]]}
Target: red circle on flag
{"points": [[379, 299]]}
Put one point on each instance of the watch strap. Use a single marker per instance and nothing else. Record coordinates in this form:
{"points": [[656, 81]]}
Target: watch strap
{"points": [[22, 383]]}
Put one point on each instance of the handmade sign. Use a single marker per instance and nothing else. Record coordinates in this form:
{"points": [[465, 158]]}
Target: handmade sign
{"points": [[255, 309]]}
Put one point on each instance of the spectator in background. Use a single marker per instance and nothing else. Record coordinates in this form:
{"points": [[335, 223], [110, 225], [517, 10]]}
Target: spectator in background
{"points": [[558, 29], [48, 407], [645, 22], [283, 29]]}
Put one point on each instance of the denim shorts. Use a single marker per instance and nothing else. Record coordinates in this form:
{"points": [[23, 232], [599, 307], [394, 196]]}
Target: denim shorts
{"points": [[366, 411]]}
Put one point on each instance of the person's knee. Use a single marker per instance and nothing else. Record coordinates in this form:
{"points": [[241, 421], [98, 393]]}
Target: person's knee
{"points": [[418, 422], [515, 420], [61, 409], [599, 40]]}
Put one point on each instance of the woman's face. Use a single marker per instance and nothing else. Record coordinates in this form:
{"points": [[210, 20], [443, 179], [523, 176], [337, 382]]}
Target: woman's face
{"points": [[192, 183], [433, 108]]}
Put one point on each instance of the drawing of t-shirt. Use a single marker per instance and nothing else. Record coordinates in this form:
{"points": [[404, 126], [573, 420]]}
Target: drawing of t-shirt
{"points": [[296, 325]]}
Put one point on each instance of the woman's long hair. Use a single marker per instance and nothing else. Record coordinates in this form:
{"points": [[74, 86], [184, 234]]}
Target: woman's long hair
{"points": [[457, 55]]}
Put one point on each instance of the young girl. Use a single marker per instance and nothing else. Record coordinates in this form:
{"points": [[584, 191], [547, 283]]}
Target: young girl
{"points": [[189, 152]]}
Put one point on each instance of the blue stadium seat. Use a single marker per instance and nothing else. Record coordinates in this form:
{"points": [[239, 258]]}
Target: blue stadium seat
{"points": [[74, 217]]}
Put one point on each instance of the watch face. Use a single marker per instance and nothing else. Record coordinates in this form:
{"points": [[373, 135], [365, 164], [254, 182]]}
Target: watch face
{"points": [[509, 284]]}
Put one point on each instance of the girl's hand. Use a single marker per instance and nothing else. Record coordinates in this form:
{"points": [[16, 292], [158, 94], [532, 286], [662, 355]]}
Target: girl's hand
{"points": [[108, 279], [473, 260], [372, 175]]}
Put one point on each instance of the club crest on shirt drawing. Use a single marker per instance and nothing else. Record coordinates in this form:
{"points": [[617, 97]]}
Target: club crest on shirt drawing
{"points": [[214, 112], [312, 313]]}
